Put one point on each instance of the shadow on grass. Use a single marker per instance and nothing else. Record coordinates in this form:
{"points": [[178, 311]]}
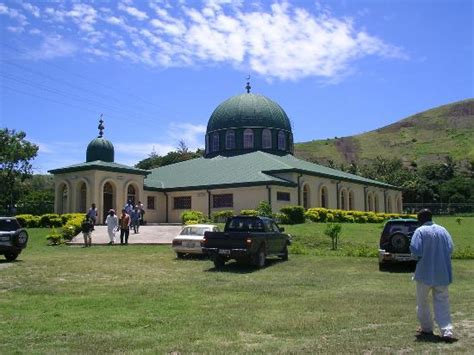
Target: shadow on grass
{"points": [[432, 338], [5, 261], [399, 268], [241, 268]]}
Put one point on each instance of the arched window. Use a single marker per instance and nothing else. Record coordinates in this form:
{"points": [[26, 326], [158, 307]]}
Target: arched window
{"points": [[324, 197], [83, 197], [215, 142], [376, 203], [248, 138], [370, 202], [281, 140], [351, 200], [389, 204], [208, 147], [343, 200], [266, 138], [108, 200], [131, 194], [64, 199], [230, 139], [306, 198]]}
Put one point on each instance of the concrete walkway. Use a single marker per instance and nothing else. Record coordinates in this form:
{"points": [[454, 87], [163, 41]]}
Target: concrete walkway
{"points": [[154, 234]]}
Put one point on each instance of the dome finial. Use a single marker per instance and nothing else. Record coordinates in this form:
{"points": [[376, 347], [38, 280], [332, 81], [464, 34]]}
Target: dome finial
{"points": [[248, 87], [101, 126]]}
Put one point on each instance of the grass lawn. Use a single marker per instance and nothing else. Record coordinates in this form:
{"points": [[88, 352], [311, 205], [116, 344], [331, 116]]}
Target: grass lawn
{"points": [[363, 239], [140, 299]]}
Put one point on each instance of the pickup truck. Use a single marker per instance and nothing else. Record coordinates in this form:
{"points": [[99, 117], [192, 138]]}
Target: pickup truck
{"points": [[248, 240]]}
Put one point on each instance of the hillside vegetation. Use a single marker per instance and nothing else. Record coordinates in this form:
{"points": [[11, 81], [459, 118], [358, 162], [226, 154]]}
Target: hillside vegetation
{"points": [[424, 138]]}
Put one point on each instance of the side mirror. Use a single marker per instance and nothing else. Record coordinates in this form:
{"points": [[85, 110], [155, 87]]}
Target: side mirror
{"points": [[282, 229]]}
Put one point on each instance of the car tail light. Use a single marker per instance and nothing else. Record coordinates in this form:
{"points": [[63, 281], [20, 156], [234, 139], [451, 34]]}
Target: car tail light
{"points": [[248, 241], [203, 241]]}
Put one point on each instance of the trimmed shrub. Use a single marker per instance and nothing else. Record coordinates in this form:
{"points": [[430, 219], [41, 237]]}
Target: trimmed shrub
{"points": [[280, 218], [54, 238], [191, 221], [329, 217], [249, 213], [45, 220], [264, 209], [312, 216], [221, 216], [72, 227], [295, 214], [193, 216]]}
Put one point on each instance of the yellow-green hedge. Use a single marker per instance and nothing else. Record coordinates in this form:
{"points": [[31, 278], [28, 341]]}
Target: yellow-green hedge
{"points": [[334, 215]]}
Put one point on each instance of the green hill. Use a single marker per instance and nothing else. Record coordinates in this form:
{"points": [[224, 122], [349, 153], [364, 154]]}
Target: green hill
{"points": [[426, 137]]}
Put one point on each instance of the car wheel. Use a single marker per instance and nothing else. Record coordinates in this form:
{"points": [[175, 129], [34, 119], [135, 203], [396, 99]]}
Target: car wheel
{"points": [[21, 239], [284, 255], [179, 255], [260, 258], [399, 243], [11, 256], [219, 262], [383, 267]]}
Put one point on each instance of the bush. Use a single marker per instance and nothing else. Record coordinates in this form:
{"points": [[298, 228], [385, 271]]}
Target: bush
{"points": [[295, 214], [45, 220], [333, 230], [72, 227], [221, 216], [249, 213], [312, 215], [193, 216], [264, 209], [280, 218], [191, 221], [54, 238]]}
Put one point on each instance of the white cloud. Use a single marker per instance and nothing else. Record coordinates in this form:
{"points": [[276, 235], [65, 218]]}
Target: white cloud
{"points": [[54, 47], [281, 41], [192, 135]]}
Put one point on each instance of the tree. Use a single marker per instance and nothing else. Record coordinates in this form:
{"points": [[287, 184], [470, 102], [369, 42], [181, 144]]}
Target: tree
{"points": [[16, 154], [182, 153], [333, 230]]}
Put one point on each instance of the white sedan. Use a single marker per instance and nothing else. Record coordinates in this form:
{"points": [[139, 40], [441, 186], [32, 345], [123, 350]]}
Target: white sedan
{"points": [[189, 240]]}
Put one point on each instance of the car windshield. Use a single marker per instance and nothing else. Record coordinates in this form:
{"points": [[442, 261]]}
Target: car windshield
{"points": [[194, 230], [245, 224], [9, 225]]}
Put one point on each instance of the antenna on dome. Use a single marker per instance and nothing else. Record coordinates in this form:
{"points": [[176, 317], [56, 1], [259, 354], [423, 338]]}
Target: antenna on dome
{"points": [[248, 87], [101, 126]]}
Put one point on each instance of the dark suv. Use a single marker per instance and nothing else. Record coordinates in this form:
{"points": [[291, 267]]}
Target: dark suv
{"points": [[395, 242], [13, 238]]}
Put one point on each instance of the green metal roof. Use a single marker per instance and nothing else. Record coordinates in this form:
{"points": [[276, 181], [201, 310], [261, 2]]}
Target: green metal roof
{"points": [[256, 168], [100, 149], [100, 165], [248, 110]]}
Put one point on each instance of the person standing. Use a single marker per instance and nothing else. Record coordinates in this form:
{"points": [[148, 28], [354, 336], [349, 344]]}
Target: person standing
{"points": [[87, 228], [142, 211], [135, 216], [112, 225], [433, 245], [92, 214], [124, 223]]}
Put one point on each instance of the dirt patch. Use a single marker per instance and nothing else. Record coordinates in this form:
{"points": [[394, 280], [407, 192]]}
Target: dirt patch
{"points": [[348, 148]]}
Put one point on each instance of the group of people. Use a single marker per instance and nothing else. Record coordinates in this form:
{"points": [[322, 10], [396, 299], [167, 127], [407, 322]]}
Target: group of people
{"points": [[131, 217]]}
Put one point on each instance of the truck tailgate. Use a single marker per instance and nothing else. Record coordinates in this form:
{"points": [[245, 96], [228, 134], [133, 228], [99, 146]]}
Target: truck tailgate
{"points": [[226, 240]]}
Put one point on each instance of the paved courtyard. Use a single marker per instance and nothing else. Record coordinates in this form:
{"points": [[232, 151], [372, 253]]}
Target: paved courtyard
{"points": [[154, 234]]}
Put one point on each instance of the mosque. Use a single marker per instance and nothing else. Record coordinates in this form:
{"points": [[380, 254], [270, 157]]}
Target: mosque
{"points": [[248, 158]]}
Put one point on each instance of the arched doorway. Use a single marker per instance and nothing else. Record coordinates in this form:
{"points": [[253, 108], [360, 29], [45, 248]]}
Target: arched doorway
{"points": [[324, 197], [132, 194], [82, 197], [108, 202], [306, 198]]}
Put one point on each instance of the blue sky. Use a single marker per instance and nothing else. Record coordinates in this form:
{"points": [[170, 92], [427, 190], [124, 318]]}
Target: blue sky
{"points": [[157, 69]]}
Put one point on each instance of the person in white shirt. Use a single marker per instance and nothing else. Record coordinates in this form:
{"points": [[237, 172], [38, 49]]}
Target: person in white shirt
{"points": [[112, 226]]}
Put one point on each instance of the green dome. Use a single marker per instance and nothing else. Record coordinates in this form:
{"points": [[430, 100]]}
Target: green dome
{"points": [[248, 110], [100, 149]]}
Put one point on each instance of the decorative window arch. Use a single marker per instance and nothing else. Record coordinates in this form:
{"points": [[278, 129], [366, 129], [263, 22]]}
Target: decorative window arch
{"points": [[215, 142], [266, 139], [82, 194], [343, 196], [389, 204], [248, 138], [230, 139], [351, 200], [324, 197], [306, 196], [132, 194], [63, 198], [376, 203], [370, 201], [281, 140]]}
